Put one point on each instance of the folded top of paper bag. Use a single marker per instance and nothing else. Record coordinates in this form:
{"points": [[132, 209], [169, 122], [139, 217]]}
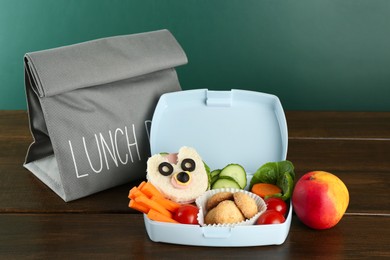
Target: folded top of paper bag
{"points": [[101, 61]]}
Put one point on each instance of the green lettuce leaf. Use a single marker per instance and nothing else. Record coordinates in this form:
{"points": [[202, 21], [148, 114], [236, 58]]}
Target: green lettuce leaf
{"points": [[278, 173]]}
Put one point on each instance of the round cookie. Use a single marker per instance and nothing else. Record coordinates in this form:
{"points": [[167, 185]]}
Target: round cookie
{"points": [[214, 200], [246, 204], [226, 212]]}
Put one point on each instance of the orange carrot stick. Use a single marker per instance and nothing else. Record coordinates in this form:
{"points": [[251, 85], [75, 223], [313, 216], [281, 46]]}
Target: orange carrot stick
{"points": [[166, 203], [146, 202], [135, 192], [141, 184], [157, 216], [265, 189], [139, 207], [150, 190]]}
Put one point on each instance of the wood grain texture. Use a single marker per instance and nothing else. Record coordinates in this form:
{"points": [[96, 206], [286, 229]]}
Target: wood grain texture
{"points": [[14, 124], [338, 125], [35, 223], [42, 236], [362, 162], [301, 124], [340, 155], [22, 192]]}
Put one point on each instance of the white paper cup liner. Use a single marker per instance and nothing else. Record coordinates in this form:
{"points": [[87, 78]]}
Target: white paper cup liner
{"points": [[202, 200]]}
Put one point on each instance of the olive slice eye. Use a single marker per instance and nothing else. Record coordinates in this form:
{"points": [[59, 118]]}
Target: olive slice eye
{"points": [[188, 165], [165, 168]]}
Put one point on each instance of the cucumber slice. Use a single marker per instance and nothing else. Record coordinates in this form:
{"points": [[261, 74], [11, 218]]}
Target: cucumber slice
{"points": [[235, 171], [225, 182], [215, 173], [213, 180]]}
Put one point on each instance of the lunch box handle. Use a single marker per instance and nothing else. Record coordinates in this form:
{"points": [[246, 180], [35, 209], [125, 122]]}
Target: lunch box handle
{"points": [[213, 232]]}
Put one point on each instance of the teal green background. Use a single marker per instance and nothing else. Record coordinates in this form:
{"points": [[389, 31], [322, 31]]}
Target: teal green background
{"points": [[314, 55]]}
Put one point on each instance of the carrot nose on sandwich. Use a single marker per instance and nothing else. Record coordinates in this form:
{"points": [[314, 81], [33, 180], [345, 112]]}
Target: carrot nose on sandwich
{"points": [[181, 180]]}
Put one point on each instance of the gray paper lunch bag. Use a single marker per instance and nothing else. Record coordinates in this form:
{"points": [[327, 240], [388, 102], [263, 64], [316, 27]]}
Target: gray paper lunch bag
{"points": [[90, 106]]}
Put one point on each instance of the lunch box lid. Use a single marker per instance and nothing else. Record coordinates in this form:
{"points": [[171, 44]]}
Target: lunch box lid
{"points": [[236, 126]]}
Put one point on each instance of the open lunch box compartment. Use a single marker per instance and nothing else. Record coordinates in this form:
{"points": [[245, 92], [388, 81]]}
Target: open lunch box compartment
{"points": [[237, 126]]}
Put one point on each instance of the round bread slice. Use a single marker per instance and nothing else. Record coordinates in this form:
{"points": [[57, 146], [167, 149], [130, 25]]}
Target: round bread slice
{"points": [[246, 204]]}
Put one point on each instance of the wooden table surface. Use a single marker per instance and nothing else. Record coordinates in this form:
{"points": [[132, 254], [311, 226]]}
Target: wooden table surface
{"points": [[35, 223]]}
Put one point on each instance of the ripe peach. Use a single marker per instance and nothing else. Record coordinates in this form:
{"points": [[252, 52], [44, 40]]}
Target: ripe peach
{"points": [[320, 199]]}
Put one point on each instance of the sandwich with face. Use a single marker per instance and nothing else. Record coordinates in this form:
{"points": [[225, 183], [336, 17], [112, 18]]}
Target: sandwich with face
{"points": [[181, 177]]}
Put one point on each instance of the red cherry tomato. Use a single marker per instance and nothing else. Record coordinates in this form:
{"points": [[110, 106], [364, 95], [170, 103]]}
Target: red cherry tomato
{"points": [[186, 214], [270, 217], [277, 204]]}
